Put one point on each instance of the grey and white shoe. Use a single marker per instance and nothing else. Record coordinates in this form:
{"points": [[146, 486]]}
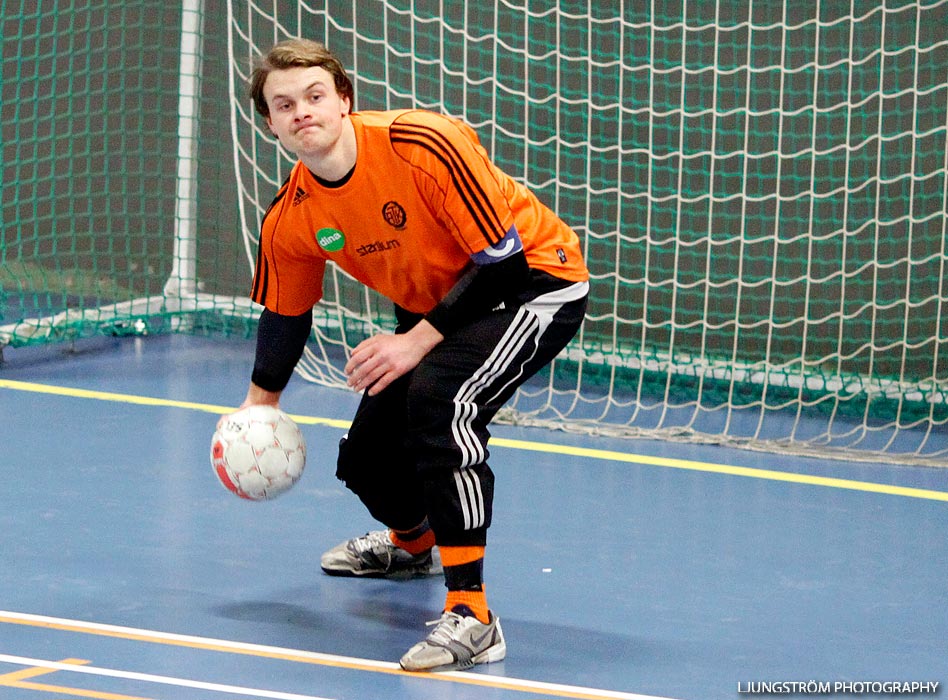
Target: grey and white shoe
{"points": [[457, 643], [373, 555]]}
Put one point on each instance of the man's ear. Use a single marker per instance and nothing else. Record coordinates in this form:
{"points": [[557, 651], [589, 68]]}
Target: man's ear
{"points": [[348, 103], [270, 125]]}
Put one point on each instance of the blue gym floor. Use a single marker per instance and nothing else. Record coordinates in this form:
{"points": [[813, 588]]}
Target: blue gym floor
{"points": [[619, 568]]}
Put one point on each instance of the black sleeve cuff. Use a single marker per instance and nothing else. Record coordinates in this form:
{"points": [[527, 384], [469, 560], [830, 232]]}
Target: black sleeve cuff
{"points": [[280, 343]]}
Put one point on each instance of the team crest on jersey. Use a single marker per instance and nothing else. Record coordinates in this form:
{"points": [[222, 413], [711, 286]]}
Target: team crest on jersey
{"points": [[394, 214], [330, 239]]}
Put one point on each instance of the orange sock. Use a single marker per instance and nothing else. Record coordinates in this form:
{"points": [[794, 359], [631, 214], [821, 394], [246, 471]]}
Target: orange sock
{"points": [[475, 601], [462, 570], [415, 541]]}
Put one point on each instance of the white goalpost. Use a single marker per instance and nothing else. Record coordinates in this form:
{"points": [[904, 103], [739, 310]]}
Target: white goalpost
{"points": [[181, 294]]}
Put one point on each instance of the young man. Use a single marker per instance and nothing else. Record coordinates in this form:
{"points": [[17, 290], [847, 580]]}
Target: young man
{"points": [[488, 286]]}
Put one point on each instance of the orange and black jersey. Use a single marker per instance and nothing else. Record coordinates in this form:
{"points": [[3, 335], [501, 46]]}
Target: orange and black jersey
{"points": [[422, 202]]}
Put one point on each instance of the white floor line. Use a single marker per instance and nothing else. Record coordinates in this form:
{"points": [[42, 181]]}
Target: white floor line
{"points": [[224, 645], [151, 678]]}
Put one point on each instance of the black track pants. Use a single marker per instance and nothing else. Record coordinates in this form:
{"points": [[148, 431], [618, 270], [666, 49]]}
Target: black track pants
{"points": [[419, 448]]}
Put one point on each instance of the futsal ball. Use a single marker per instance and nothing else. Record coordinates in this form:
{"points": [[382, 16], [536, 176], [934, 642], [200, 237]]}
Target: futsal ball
{"points": [[258, 453]]}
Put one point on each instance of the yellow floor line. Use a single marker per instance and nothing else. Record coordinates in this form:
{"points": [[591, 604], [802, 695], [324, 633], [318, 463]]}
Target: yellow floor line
{"points": [[537, 688], [584, 452], [15, 679]]}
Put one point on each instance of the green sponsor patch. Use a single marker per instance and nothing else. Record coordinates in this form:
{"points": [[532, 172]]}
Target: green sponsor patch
{"points": [[330, 239]]}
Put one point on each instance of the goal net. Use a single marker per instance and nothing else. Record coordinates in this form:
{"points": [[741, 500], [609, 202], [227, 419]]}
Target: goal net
{"points": [[760, 188]]}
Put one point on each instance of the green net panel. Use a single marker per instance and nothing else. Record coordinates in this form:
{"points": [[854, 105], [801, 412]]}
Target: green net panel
{"points": [[97, 199], [88, 156], [760, 187]]}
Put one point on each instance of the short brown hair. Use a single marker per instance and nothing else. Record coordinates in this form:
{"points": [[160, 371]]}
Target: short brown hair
{"points": [[297, 53]]}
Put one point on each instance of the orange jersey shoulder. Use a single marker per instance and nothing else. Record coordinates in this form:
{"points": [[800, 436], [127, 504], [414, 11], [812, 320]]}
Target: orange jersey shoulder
{"points": [[481, 200], [423, 199]]}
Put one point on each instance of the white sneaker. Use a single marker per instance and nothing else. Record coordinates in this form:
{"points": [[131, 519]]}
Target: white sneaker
{"points": [[374, 555], [457, 643]]}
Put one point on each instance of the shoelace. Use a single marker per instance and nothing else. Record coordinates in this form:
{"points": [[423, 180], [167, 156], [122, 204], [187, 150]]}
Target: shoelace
{"points": [[371, 542], [446, 626]]}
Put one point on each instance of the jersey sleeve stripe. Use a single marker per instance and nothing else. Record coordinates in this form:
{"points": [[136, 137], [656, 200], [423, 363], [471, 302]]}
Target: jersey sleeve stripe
{"points": [[261, 278], [467, 185]]}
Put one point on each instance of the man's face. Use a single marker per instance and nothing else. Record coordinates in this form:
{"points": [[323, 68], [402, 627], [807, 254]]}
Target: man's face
{"points": [[306, 112]]}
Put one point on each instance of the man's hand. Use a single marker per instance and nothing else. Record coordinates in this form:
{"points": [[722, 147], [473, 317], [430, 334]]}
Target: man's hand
{"points": [[378, 361], [256, 395]]}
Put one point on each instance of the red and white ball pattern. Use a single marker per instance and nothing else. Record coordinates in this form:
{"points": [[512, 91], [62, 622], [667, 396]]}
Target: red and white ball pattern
{"points": [[258, 453]]}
